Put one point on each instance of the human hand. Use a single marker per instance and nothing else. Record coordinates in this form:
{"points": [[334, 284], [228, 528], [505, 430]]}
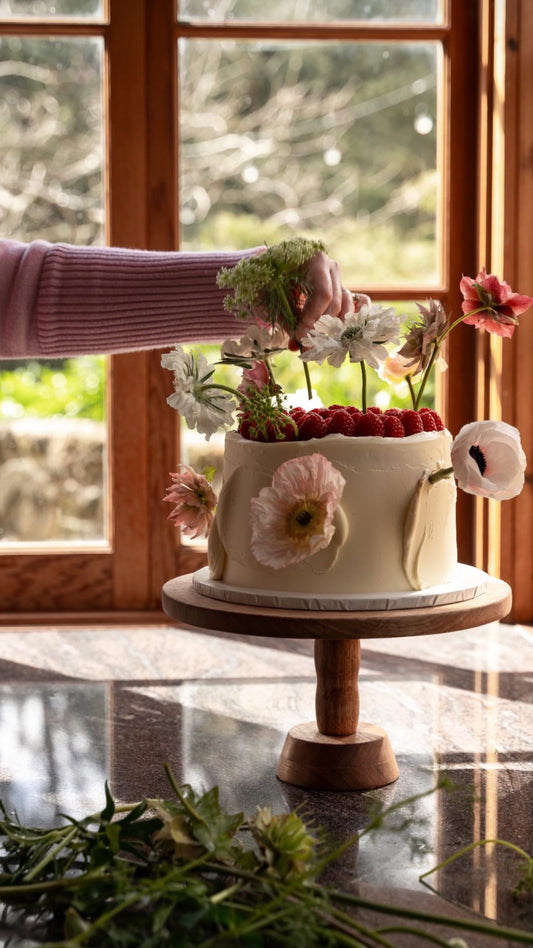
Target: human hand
{"points": [[328, 296]]}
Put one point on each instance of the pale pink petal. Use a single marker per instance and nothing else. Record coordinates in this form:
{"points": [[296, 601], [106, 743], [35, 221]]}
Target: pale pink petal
{"points": [[308, 487], [488, 460], [194, 501]]}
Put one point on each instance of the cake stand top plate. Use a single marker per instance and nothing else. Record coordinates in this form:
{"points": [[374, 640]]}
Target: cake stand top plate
{"points": [[183, 603]]}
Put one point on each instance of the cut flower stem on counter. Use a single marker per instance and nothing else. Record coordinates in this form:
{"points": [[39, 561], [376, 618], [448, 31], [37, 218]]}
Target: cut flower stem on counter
{"points": [[184, 872]]}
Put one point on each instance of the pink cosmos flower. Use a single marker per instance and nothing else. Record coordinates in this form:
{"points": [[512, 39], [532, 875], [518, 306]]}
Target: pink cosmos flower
{"points": [[488, 460], [422, 336], [499, 307], [194, 500], [293, 518]]}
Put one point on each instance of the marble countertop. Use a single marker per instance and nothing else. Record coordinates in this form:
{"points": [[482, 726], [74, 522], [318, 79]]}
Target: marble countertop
{"points": [[79, 706]]}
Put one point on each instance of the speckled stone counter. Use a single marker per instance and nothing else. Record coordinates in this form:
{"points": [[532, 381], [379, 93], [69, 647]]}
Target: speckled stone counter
{"points": [[79, 706]]}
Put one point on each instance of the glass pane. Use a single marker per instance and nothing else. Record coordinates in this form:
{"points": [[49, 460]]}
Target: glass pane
{"points": [[337, 141], [50, 9], [427, 11], [52, 425]]}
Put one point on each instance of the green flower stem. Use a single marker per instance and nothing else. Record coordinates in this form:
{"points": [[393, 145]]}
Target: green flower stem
{"points": [[290, 319], [308, 380], [437, 343], [440, 475], [493, 931], [51, 854], [436, 347], [363, 384], [409, 380], [471, 846], [405, 929]]}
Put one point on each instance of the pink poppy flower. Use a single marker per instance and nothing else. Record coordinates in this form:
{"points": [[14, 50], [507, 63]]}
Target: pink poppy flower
{"points": [[194, 500], [488, 460], [293, 518], [498, 307]]}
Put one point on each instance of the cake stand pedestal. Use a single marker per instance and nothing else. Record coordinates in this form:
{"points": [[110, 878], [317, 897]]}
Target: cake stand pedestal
{"points": [[338, 751]]}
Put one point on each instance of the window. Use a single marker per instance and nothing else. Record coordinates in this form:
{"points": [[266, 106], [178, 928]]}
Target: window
{"points": [[227, 124]]}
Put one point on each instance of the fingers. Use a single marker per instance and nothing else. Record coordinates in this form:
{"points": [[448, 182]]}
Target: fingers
{"points": [[328, 296]]}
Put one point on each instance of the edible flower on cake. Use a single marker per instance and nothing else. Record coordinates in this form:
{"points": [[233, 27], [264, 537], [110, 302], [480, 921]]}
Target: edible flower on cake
{"points": [[289, 526], [294, 517]]}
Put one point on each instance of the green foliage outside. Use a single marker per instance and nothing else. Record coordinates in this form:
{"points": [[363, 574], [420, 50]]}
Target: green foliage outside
{"points": [[74, 388]]}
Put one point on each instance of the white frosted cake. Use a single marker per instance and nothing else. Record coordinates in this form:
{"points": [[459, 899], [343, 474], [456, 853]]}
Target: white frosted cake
{"points": [[393, 529]]}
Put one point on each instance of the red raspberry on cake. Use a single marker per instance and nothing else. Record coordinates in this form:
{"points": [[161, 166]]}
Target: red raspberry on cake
{"points": [[392, 425], [244, 426], [412, 422], [437, 421], [341, 422], [312, 425], [370, 425], [428, 420]]}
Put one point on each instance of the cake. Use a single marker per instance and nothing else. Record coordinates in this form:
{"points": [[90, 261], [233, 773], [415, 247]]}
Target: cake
{"points": [[395, 530], [324, 507]]}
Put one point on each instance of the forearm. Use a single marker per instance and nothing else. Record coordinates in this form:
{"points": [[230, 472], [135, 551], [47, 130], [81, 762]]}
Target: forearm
{"points": [[58, 300]]}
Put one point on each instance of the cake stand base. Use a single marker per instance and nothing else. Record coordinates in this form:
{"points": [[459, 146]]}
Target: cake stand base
{"points": [[338, 752], [361, 761]]}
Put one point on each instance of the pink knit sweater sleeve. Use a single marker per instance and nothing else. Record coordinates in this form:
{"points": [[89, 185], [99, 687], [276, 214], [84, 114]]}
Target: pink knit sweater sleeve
{"points": [[59, 300]]}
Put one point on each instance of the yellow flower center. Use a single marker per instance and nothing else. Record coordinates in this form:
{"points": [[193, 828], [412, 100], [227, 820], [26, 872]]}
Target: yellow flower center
{"points": [[306, 518]]}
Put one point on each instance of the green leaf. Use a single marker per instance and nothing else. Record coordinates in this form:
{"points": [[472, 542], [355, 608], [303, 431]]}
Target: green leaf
{"points": [[108, 812]]}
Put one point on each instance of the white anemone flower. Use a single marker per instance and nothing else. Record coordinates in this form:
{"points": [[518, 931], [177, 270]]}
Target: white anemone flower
{"points": [[360, 335], [488, 460], [202, 403]]}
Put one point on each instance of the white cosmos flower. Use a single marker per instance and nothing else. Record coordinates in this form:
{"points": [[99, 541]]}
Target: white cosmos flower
{"points": [[256, 344], [488, 460], [360, 335], [202, 404]]}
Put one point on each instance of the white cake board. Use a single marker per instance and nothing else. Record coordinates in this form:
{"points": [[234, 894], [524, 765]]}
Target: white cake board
{"points": [[467, 583]]}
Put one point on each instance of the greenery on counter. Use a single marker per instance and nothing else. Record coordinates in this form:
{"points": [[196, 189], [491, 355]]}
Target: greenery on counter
{"points": [[184, 872]]}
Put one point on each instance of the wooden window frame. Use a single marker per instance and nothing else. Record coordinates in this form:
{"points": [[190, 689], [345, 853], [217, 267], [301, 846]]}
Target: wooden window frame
{"points": [[141, 40]]}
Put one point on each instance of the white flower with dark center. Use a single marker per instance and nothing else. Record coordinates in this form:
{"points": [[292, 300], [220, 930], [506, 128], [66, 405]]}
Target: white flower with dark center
{"points": [[488, 460], [201, 402], [362, 336]]}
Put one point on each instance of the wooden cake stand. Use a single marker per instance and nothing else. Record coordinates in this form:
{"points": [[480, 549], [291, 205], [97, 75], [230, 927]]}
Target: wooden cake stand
{"points": [[337, 752]]}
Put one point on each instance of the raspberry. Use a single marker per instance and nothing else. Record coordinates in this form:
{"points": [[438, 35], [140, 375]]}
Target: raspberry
{"points": [[427, 413], [341, 422], [375, 410], [244, 426], [428, 421], [312, 425], [370, 425], [438, 421], [297, 412], [283, 431], [392, 424], [412, 422]]}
